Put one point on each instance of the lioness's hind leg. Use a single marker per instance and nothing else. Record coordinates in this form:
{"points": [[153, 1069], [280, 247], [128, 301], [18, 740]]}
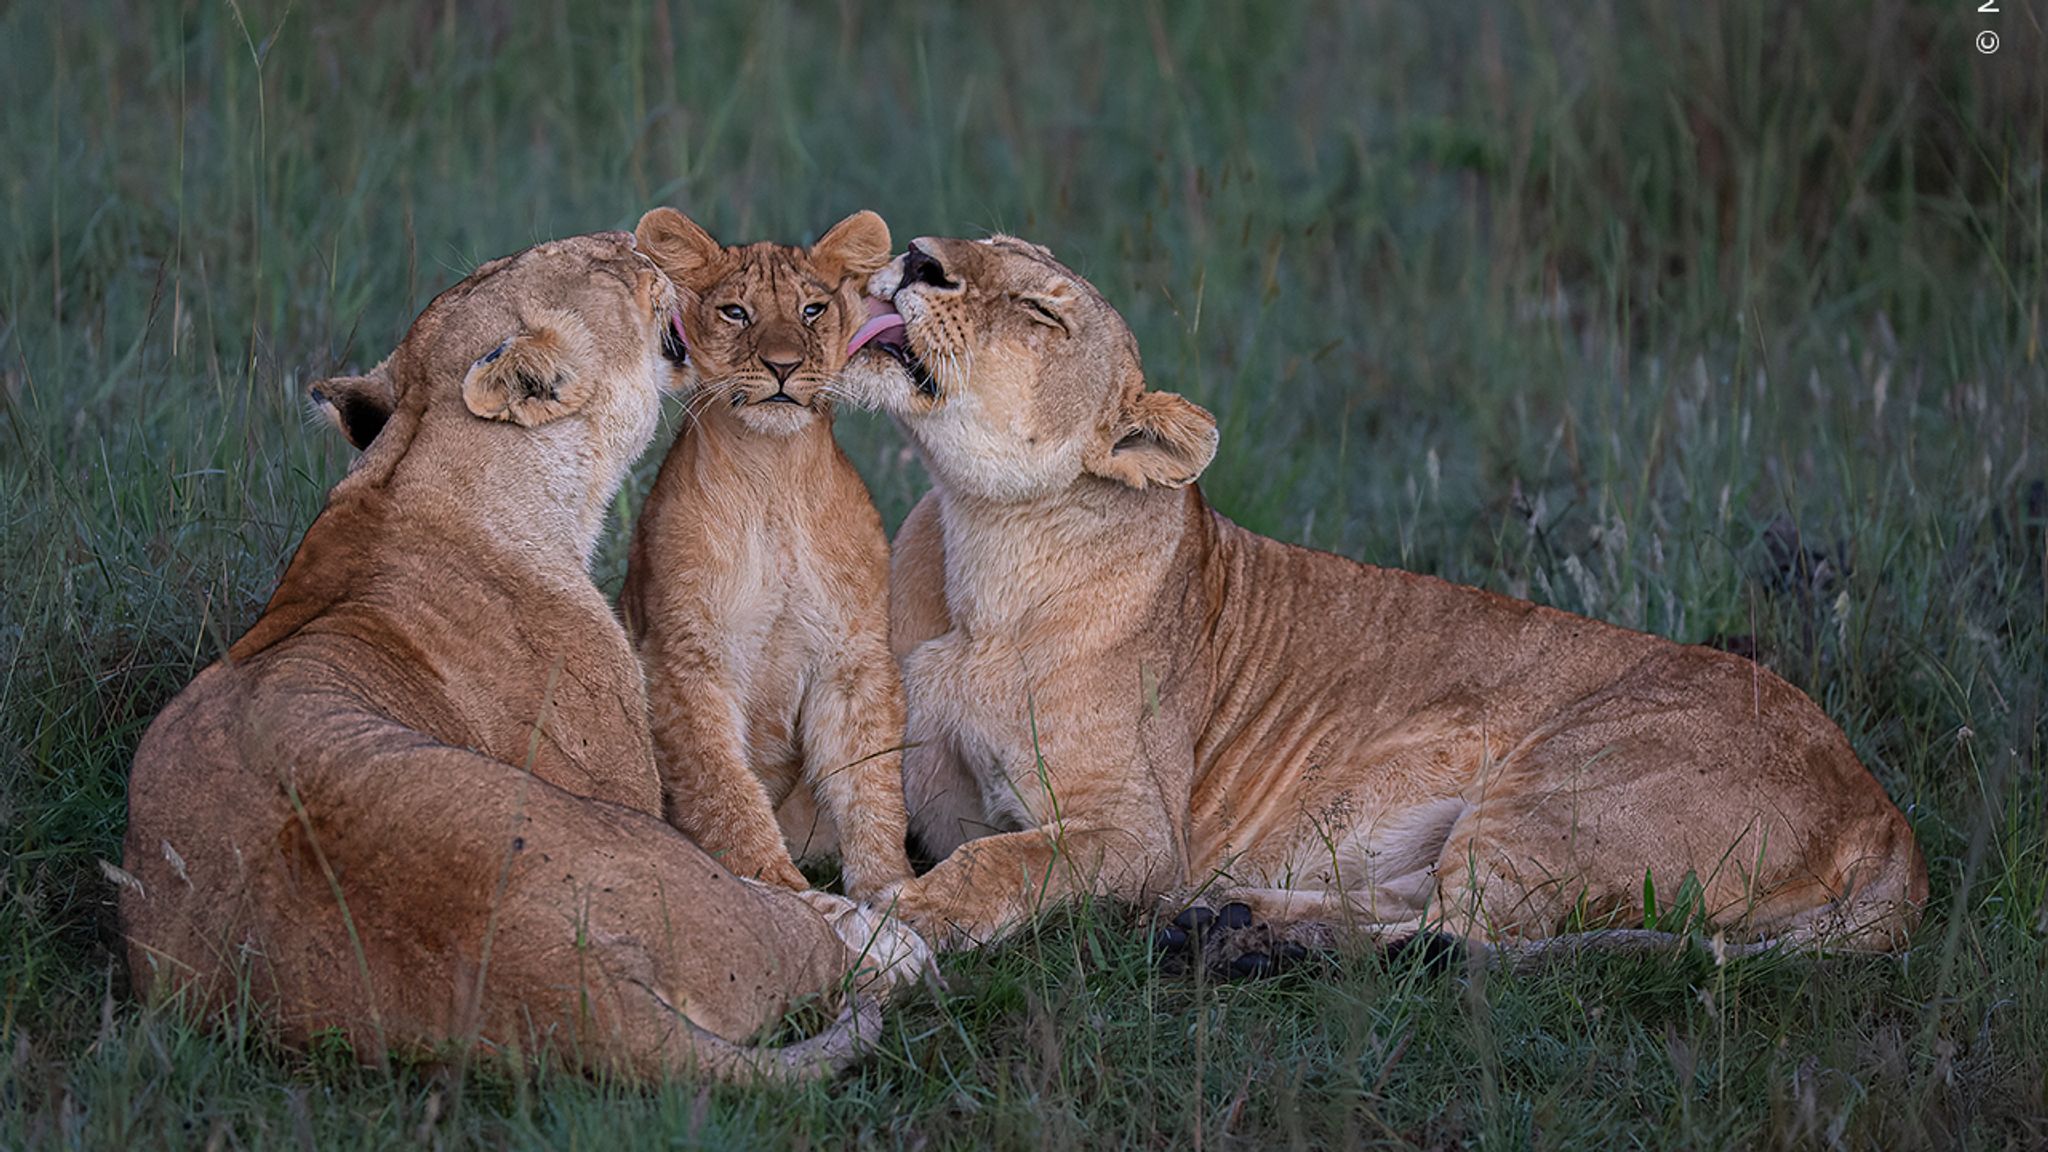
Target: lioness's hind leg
{"points": [[1671, 820], [447, 896]]}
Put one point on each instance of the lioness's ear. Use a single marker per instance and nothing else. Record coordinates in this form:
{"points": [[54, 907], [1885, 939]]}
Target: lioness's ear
{"points": [[357, 405], [534, 377], [1160, 439], [856, 246], [676, 244]]}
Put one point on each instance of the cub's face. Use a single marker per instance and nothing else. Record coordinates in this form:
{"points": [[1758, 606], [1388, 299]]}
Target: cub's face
{"points": [[767, 325], [568, 328], [1016, 377]]}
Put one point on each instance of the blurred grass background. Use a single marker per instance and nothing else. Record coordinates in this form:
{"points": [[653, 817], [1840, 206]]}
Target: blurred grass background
{"points": [[1721, 320]]}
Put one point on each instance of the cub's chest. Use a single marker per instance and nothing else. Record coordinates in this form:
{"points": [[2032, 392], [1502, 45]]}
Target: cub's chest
{"points": [[769, 594]]}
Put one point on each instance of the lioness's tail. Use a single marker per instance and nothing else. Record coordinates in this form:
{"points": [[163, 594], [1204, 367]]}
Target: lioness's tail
{"points": [[828, 1053], [886, 954]]}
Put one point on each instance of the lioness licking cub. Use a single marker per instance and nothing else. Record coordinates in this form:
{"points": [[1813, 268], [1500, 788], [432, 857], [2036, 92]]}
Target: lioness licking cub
{"points": [[416, 803], [1113, 689]]}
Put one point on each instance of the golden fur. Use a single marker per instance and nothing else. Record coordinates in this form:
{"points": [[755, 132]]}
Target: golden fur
{"points": [[417, 801], [757, 586], [1114, 689]]}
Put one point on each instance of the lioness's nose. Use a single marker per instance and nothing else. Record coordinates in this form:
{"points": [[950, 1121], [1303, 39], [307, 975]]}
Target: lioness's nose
{"points": [[921, 267], [781, 366]]}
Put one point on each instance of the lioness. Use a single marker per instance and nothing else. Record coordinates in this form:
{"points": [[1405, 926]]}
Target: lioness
{"points": [[758, 582], [417, 801], [1134, 694]]}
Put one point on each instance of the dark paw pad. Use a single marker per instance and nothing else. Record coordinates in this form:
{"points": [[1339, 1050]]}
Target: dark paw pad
{"points": [[1179, 946], [1434, 952], [1227, 943], [1252, 965]]}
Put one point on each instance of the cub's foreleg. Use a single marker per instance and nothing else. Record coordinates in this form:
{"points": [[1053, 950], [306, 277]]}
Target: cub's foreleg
{"points": [[709, 791], [852, 738]]}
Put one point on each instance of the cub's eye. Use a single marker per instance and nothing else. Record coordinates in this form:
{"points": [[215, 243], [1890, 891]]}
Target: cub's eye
{"points": [[813, 310], [733, 312]]}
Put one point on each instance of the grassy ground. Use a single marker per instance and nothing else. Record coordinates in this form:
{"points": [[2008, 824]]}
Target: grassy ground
{"points": [[1722, 321]]}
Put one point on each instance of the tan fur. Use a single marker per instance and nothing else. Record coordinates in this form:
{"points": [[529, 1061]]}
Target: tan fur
{"points": [[357, 406], [417, 801], [757, 582], [1114, 689]]}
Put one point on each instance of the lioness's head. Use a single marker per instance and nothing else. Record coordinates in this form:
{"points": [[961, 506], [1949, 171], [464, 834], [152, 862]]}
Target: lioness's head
{"points": [[568, 327], [536, 381], [1017, 378], [768, 324]]}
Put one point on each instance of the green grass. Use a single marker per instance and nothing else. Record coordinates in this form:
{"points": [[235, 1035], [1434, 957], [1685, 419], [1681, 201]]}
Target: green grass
{"points": [[1625, 309]]}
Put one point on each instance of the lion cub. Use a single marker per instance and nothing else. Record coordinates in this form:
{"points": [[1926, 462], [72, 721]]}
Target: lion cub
{"points": [[757, 586]]}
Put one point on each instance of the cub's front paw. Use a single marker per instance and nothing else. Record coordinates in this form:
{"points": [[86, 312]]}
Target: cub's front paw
{"points": [[886, 896], [878, 886], [764, 870]]}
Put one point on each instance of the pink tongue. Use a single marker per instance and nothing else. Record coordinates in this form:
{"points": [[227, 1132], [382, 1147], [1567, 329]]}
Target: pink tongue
{"points": [[882, 316]]}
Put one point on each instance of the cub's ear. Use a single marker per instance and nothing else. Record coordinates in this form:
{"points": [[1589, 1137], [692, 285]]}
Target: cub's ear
{"points": [[1160, 439], [682, 249], [357, 405], [856, 246], [541, 374]]}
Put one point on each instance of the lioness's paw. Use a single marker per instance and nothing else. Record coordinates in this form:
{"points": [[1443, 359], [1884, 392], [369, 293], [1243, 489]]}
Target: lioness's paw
{"points": [[940, 926], [890, 952], [1227, 943]]}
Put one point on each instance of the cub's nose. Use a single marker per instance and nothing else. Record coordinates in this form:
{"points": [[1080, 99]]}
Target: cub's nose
{"points": [[782, 367], [921, 267]]}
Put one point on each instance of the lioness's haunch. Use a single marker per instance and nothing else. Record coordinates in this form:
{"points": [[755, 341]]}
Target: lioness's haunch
{"points": [[1113, 688], [758, 585], [416, 802]]}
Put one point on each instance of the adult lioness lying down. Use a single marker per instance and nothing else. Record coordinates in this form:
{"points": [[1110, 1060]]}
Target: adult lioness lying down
{"points": [[417, 801], [1134, 695]]}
